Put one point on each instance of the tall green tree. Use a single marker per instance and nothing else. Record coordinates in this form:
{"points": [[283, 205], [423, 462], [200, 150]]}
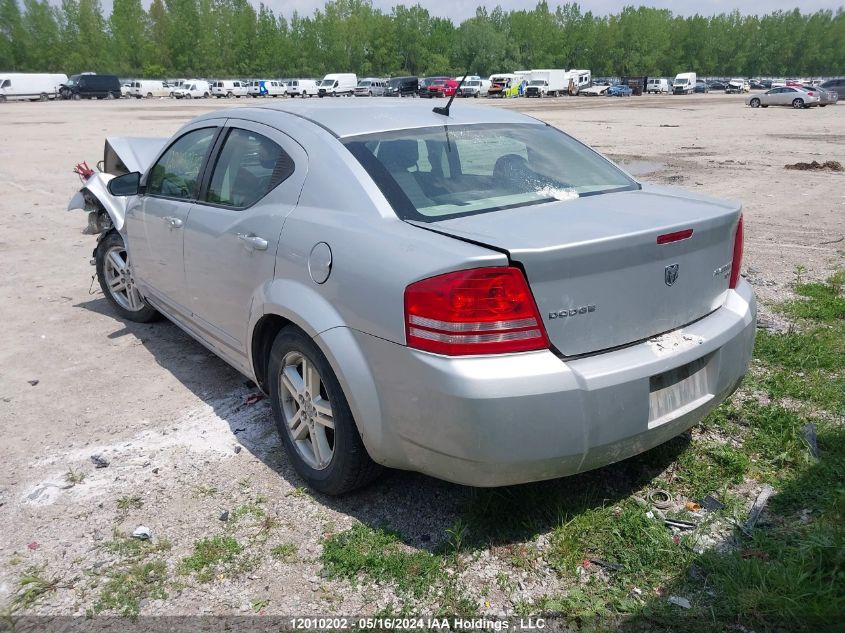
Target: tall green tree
{"points": [[128, 28]]}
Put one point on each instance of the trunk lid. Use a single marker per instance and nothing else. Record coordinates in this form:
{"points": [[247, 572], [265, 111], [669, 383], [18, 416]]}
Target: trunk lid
{"points": [[595, 268]]}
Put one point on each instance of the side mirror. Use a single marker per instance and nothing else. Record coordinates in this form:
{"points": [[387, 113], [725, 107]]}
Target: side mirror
{"points": [[125, 185]]}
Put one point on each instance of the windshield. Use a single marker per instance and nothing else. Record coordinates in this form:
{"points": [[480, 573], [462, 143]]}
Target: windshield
{"points": [[327, 82], [681, 81], [440, 172], [364, 84], [536, 82]]}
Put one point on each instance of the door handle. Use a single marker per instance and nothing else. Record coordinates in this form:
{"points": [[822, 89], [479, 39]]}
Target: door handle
{"points": [[257, 243], [174, 223]]}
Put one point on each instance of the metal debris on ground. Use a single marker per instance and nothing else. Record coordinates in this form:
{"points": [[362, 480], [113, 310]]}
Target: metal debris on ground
{"points": [[660, 499], [33, 382], [811, 439], [681, 525], [224, 516], [712, 503], [692, 506], [142, 533], [678, 601], [830, 165], [99, 461], [759, 504], [606, 564]]}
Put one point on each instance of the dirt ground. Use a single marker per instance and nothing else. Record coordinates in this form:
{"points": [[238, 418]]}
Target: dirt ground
{"points": [[171, 418]]}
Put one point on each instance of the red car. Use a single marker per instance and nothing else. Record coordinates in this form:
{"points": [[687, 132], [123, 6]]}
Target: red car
{"points": [[443, 88]]}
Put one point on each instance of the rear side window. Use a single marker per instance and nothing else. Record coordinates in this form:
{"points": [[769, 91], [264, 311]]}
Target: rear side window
{"points": [[447, 171], [248, 167], [176, 174]]}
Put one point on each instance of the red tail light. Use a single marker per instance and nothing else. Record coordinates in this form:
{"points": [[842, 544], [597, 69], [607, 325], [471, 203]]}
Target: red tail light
{"points": [[478, 311], [677, 236], [736, 262]]}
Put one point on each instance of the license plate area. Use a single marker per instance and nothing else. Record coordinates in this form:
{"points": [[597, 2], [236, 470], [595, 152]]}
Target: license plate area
{"points": [[677, 391]]}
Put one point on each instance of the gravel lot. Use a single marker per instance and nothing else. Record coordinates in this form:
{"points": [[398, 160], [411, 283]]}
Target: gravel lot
{"points": [[172, 420]]}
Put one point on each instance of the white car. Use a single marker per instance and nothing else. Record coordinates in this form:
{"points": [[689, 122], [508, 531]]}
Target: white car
{"points": [[595, 91]]}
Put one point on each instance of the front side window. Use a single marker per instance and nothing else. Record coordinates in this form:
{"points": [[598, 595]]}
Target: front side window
{"points": [[176, 174], [249, 166], [446, 171]]}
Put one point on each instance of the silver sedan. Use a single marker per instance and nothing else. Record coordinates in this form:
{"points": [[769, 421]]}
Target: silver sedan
{"points": [[792, 96], [468, 293]]}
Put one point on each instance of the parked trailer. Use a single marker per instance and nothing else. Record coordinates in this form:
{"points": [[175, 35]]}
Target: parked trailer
{"points": [[30, 86]]}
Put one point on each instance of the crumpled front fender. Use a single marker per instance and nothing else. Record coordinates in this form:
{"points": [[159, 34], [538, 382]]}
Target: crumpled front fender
{"points": [[97, 187]]}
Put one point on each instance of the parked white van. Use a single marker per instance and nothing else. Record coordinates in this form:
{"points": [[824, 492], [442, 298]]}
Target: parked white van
{"points": [[338, 84], [228, 88], [147, 89], [302, 88], [657, 85], [30, 86], [193, 89], [684, 84]]}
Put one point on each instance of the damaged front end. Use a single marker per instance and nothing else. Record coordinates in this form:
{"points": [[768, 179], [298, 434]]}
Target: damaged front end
{"points": [[121, 156]]}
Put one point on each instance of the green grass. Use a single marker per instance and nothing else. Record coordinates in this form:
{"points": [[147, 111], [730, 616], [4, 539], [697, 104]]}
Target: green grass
{"points": [[284, 552], [74, 477], [378, 554], [124, 504], [33, 585], [138, 574], [212, 556], [125, 589]]}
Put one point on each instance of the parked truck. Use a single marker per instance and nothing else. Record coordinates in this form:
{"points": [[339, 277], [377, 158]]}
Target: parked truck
{"points": [[684, 84], [549, 82], [30, 86]]}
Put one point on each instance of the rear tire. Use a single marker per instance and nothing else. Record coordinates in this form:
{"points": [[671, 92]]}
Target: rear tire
{"points": [[114, 272], [43, 97], [340, 462]]}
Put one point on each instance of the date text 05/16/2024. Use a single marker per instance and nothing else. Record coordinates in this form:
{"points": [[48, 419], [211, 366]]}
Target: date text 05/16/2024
{"points": [[410, 624]]}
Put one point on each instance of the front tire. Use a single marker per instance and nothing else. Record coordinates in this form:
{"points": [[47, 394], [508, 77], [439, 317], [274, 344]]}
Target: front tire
{"points": [[114, 272], [755, 103], [798, 104], [313, 417]]}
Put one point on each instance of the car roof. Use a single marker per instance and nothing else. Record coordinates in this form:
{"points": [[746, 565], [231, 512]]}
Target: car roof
{"points": [[352, 117]]}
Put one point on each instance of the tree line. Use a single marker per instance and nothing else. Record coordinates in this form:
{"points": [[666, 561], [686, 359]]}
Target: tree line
{"points": [[231, 38]]}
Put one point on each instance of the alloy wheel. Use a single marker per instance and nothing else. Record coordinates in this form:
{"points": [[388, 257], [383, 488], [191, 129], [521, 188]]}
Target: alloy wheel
{"points": [[307, 410], [120, 281]]}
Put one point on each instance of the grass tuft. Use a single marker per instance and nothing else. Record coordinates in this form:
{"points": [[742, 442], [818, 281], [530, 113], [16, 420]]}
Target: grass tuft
{"points": [[379, 555], [125, 589], [211, 555]]}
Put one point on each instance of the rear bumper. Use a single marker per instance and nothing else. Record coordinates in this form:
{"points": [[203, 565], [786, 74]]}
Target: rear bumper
{"points": [[493, 421]]}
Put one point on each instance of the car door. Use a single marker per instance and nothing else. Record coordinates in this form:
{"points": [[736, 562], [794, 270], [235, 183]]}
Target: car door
{"points": [[231, 235], [155, 220]]}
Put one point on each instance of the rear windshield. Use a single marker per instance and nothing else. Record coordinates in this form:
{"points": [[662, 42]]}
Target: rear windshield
{"points": [[440, 172]]}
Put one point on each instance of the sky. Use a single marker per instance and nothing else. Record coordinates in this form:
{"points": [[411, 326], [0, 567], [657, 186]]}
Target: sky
{"points": [[459, 10]]}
